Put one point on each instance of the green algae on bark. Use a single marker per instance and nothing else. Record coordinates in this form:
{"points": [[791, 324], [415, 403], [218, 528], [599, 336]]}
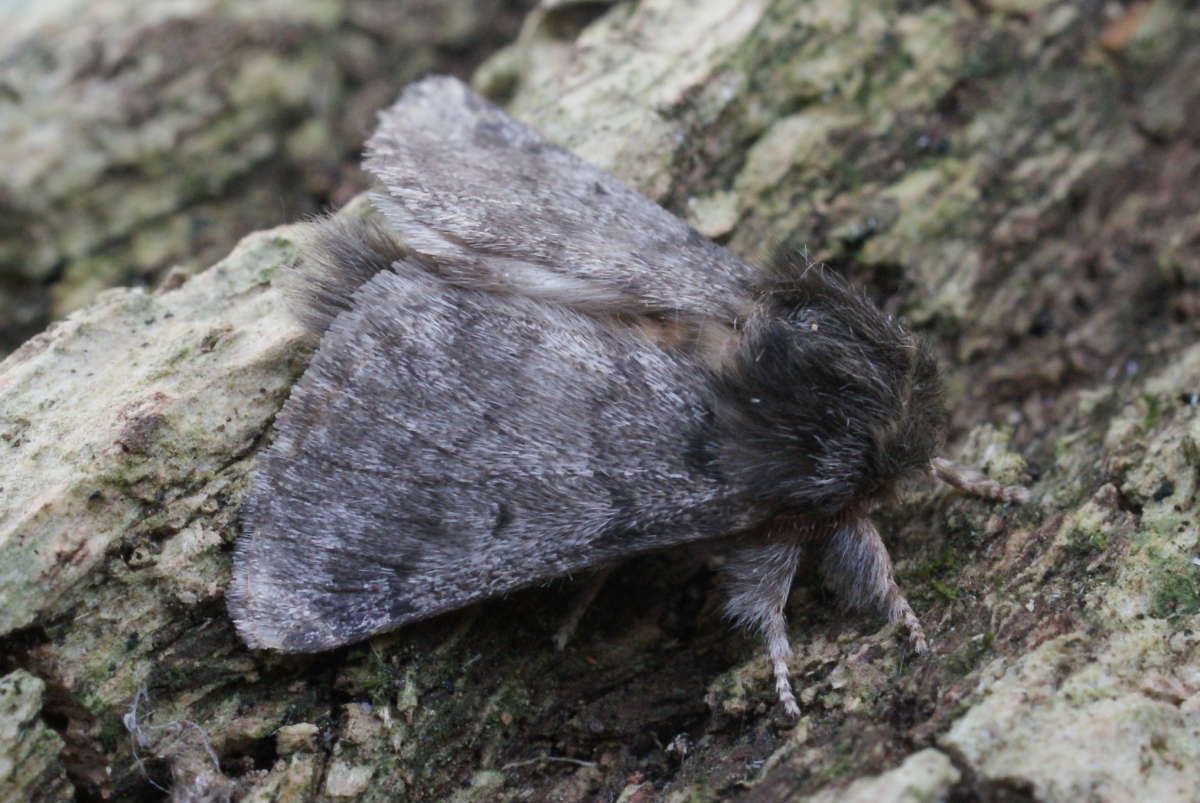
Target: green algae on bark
{"points": [[30, 768]]}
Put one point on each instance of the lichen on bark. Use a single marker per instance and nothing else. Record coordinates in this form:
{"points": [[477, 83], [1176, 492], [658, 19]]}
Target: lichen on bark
{"points": [[143, 136]]}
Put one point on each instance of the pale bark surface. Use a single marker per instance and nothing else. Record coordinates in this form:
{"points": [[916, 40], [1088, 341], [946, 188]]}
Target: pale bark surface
{"points": [[1021, 179], [136, 137]]}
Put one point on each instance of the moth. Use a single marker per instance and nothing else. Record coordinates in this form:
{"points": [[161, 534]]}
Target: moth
{"points": [[527, 370]]}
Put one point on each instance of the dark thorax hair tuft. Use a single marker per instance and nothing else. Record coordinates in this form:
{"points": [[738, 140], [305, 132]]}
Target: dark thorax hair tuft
{"points": [[828, 402]]}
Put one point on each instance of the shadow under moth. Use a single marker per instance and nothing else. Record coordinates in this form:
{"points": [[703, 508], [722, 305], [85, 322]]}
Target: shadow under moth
{"points": [[528, 370]]}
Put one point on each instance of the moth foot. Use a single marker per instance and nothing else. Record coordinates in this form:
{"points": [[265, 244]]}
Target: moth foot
{"points": [[582, 602], [564, 634], [916, 639], [900, 611], [783, 688], [975, 483]]}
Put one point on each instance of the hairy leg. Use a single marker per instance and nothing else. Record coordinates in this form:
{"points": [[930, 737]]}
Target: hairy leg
{"points": [[857, 565], [758, 577], [973, 482], [589, 588]]}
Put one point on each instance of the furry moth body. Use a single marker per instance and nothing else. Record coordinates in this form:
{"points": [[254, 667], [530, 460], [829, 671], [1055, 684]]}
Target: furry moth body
{"points": [[528, 369]]}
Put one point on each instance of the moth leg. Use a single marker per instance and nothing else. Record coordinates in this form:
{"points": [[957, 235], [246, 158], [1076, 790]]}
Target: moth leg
{"points": [[975, 483], [858, 568], [587, 595], [758, 578]]}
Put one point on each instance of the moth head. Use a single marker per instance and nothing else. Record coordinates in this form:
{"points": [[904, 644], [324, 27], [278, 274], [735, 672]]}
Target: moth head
{"points": [[828, 403]]}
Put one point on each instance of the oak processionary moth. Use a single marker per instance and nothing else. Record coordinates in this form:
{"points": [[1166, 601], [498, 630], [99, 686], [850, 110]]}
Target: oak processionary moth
{"points": [[528, 370]]}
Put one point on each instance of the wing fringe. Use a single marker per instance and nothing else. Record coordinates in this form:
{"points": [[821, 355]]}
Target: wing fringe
{"points": [[341, 253]]}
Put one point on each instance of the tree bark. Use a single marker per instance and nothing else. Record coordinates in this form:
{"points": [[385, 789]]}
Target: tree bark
{"points": [[137, 137]]}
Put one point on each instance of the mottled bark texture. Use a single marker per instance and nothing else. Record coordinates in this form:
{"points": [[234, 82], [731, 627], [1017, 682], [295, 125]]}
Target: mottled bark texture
{"points": [[136, 137], [1021, 179]]}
